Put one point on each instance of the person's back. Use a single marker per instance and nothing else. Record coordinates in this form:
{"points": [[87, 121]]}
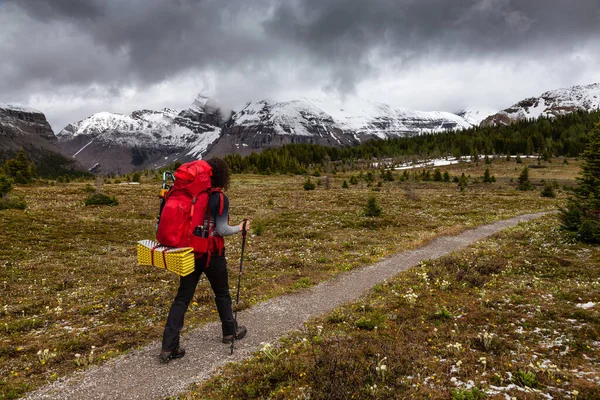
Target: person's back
{"points": [[213, 265]]}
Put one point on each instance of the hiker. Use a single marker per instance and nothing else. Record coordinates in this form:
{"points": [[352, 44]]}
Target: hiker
{"points": [[215, 271]]}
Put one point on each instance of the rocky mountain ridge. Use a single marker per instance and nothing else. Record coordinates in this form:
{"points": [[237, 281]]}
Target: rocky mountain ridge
{"points": [[115, 143], [27, 128], [157, 138], [549, 104]]}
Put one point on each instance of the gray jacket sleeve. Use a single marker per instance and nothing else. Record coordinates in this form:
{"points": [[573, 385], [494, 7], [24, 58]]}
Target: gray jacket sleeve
{"points": [[222, 226]]}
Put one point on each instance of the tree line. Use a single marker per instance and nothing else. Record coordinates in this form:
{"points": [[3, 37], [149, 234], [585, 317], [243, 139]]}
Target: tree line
{"points": [[547, 137]]}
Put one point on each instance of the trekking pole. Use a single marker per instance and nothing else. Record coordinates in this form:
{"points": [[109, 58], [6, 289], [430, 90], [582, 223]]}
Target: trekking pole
{"points": [[237, 296]]}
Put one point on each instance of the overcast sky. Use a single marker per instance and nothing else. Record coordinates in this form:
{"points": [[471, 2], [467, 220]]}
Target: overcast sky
{"points": [[73, 58]]}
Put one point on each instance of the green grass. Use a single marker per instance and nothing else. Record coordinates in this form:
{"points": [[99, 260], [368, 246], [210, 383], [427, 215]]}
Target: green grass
{"points": [[70, 281]]}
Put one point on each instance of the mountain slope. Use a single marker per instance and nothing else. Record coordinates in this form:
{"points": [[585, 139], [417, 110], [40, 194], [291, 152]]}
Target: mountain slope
{"points": [[328, 122], [27, 128], [549, 104], [115, 143]]}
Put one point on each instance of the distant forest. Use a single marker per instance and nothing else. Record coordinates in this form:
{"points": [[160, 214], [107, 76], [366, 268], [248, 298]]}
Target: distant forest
{"points": [[547, 137]]}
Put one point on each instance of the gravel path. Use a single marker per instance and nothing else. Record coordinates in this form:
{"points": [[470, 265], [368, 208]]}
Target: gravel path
{"points": [[139, 375]]}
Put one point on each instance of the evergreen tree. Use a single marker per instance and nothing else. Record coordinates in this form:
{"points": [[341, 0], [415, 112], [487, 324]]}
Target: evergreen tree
{"points": [[582, 214], [463, 182], [5, 186], [345, 185], [446, 176], [372, 209], [523, 180], [353, 180], [518, 159], [487, 176], [20, 169], [487, 160], [437, 175], [389, 176]]}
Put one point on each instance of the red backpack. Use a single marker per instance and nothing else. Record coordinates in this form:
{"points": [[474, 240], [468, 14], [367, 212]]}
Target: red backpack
{"points": [[186, 207]]}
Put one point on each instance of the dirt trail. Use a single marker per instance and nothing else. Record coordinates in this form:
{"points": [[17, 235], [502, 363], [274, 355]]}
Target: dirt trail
{"points": [[139, 375]]}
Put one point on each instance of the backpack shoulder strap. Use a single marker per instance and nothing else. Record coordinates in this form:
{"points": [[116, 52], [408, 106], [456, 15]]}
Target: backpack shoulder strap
{"points": [[221, 199]]}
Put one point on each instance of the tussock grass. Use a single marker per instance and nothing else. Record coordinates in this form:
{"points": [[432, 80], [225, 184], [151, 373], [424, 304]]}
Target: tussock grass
{"points": [[70, 283]]}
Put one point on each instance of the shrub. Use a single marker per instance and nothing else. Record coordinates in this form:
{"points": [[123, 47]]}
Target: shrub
{"points": [[5, 185], [6, 203], [372, 209], [258, 229], [548, 190], [437, 175], [353, 180], [308, 185], [136, 177], [446, 176], [99, 199], [345, 185]]}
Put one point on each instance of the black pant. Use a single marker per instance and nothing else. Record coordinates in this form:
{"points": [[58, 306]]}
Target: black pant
{"points": [[216, 272]]}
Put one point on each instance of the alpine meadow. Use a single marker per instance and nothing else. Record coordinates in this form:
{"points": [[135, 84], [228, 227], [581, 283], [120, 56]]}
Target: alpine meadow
{"points": [[299, 200]]}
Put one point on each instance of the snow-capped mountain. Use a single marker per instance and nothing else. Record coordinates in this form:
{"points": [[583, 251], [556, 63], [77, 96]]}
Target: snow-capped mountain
{"points": [[371, 119], [326, 121], [27, 128], [475, 117], [552, 103], [110, 142]]}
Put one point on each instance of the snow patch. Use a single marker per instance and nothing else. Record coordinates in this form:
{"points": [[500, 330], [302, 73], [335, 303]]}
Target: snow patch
{"points": [[205, 140], [13, 107], [81, 149], [585, 306]]}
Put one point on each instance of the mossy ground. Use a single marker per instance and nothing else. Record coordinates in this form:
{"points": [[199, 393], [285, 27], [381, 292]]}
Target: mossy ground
{"points": [[70, 283]]}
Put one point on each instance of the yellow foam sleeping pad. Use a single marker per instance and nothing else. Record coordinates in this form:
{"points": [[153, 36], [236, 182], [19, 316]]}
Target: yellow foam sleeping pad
{"points": [[177, 260]]}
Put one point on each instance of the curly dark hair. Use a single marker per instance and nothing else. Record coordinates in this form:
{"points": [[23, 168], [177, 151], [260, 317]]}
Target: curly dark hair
{"points": [[220, 173]]}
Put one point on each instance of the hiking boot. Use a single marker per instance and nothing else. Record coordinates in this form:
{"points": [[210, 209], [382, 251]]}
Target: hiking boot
{"points": [[241, 332], [166, 356]]}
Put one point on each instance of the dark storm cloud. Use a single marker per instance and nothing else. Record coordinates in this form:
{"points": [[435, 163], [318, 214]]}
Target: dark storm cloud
{"points": [[347, 30], [67, 51], [47, 9], [153, 39], [157, 38]]}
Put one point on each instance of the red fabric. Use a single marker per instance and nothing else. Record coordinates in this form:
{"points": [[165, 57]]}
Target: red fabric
{"points": [[152, 254], [186, 206]]}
